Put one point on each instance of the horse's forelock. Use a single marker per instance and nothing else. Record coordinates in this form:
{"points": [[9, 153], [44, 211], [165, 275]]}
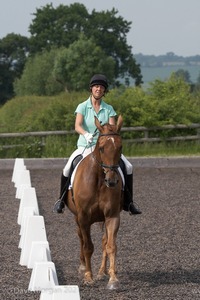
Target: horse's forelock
{"points": [[110, 128]]}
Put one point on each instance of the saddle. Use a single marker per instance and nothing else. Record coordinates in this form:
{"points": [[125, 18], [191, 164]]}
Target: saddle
{"points": [[75, 162]]}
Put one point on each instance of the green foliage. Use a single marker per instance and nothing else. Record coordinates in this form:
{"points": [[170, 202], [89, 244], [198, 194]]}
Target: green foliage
{"points": [[33, 113], [166, 102], [172, 101], [37, 78], [74, 65], [49, 73], [162, 149], [19, 114], [13, 51], [184, 74], [57, 27], [130, 104], [61, 27], [197, 90], [109, 31]]}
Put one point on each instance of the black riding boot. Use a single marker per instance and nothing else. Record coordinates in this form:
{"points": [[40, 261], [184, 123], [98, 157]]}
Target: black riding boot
{"points": [[59, 205], [128, 196]]}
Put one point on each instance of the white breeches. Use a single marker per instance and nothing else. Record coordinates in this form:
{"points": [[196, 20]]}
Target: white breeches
{"points": [[129, 167], [85, 152]]}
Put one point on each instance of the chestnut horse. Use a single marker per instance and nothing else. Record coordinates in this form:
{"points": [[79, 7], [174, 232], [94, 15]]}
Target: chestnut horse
{"points": [[97, 196]]}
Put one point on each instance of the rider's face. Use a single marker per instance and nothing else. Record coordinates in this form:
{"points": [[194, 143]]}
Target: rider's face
{"points": [[98, 91]]}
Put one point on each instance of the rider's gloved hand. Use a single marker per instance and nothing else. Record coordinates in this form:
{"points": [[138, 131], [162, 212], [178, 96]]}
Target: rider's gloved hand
{"points": [[89, 137]]}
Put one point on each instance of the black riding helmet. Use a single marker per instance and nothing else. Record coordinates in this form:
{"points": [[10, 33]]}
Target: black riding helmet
{"points": [[99, 79]]}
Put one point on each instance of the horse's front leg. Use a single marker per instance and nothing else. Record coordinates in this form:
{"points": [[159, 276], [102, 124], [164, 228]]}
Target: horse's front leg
{"points": [[82, 267], [102, 271], [87, 250], [112, 226]]}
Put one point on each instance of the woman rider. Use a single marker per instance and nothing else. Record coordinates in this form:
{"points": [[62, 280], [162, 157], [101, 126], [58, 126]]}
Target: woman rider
{"points": [[85, 127]]}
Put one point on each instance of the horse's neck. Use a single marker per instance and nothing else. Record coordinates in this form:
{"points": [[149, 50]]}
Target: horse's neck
{"points": [[94, 161], [95, 154]]}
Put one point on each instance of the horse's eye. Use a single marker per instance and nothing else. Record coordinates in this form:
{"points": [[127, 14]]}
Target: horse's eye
{"points": [[101, 149]]}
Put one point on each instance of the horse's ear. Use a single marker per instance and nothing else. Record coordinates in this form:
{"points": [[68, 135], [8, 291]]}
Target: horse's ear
{"points": [[119, 123], [97, 123]]}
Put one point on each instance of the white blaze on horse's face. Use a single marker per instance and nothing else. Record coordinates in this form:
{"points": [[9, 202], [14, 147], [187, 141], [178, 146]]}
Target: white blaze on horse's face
{"points": [[113, 140]]}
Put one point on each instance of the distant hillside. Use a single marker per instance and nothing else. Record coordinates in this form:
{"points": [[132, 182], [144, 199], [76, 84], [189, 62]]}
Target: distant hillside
{"points": [[170, 59], [162, 66]]}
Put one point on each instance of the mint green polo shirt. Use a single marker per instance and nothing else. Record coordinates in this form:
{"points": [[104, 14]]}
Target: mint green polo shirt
{"points": [[86, 109]]}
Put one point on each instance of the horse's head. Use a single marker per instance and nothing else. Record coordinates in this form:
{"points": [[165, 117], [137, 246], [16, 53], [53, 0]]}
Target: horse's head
{"points": [[108, 150]]}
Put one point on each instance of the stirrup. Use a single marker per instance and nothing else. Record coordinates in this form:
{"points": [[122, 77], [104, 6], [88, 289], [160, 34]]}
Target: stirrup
{"points": [[59, 206]]}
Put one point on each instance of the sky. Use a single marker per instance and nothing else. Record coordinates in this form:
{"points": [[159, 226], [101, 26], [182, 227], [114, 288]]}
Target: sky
{"points": [[158, 26]]}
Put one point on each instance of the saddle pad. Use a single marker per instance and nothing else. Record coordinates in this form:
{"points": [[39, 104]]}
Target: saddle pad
{"points": [[73, 175]]}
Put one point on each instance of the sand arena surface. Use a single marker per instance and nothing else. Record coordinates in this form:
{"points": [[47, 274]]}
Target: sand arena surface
{"points": [[158, 251]]}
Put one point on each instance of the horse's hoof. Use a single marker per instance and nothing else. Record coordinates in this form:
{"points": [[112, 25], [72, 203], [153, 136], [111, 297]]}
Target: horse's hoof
{"points": [[101, 276], [88, 282], [88, 279], [81, 270], [113, 285]]}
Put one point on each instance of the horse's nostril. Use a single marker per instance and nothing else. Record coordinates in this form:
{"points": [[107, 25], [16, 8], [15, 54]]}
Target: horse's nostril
{"points": [[111, 183]]}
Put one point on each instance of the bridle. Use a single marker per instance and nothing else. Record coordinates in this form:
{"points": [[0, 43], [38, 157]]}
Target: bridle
{"points": [[102, 164]]}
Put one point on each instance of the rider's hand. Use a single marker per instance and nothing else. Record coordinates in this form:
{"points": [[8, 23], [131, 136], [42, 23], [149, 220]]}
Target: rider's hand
{"points": [[89, 137]]}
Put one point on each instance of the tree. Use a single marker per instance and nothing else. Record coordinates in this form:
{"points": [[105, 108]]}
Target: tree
{"points": [[184, 74], [171, 99], [109, 32], [13, 53], [75, 65], [37, 78], [57, 27], [196, 93], [62, 26], [51, 72], [6, 89]]}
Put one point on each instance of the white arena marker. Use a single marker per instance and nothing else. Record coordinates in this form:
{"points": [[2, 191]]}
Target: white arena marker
{"points": [[68, 292], [24, 181], [22, 176], [40, 252], [29, 199], [43, 276], [35, 231], [46, 294], [18, 165], [21, 189], [29, 211], [61, 292]]}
